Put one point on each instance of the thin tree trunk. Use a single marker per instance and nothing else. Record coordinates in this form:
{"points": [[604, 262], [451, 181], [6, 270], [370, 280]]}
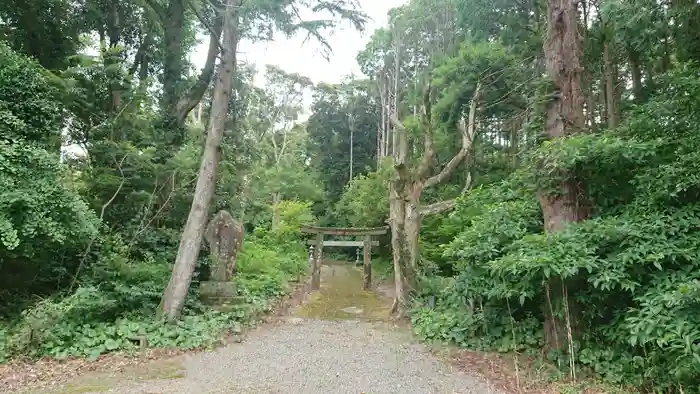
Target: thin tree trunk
{"points": [[351, 123], [395, 110], [636, 75], [610, 79], [276, 199], [189, 100], [191, 241], [379, 143], [112, 58], [602, 98], [564, 117], [590, 102], [387, 122]]}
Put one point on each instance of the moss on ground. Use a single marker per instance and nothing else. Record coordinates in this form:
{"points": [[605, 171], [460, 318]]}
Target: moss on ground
{"points": [[103, 382], [341, 288]]}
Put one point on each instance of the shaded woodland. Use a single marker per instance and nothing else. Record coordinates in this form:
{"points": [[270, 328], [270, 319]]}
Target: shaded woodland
{"points": [[536, 161]]}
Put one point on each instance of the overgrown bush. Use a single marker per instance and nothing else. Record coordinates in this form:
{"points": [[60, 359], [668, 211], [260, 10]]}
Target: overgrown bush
{"points": [[117, 297], [631, 270], [29, 105], [118, 306]]}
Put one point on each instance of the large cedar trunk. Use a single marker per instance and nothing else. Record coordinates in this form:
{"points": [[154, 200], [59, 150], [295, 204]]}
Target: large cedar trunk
{"points": [[562, 51], [173, 64], [191, 241]]}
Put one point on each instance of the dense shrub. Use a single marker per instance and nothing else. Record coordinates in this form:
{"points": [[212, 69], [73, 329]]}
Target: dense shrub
{"points": [[29, 105], [632, 270], [120, 304]]}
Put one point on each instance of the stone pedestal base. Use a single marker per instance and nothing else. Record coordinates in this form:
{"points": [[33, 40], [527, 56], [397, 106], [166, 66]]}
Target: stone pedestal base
{"points": [[216, 293]]}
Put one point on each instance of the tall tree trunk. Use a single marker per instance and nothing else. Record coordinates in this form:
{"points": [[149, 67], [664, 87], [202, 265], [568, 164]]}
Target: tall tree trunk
{"points": [[173, 63], [685, 33], [405, 190], [635, 75], [610, 79], [176, 102], [564, 117], [387, 121], [112, 58], [404, 276], [395, 103], [603, 102], [379, 143], [191, 241], [590, 102]]}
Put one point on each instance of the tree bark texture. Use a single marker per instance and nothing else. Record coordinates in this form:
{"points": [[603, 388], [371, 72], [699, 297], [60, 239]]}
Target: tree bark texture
{"points": [[610, 81], [191, 241], [406, 187], [176, 103], [562, 51]]}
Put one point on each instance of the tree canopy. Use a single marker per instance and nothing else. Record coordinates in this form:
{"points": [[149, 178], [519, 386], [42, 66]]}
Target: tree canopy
{"points": [[536, 161]]}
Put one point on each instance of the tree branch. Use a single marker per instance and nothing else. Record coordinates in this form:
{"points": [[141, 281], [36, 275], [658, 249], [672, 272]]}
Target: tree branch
{"points": [[194, 95], [157, 8], [468, 133], [401, 150], [438, 207], [444, 206], [428, 147], [102, 214], [211, 28]]}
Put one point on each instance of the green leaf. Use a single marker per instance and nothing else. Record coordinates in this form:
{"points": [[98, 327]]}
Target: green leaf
{"points": [[111, 344]]}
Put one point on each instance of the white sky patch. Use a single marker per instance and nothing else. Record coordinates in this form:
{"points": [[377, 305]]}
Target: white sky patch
{"points": [[295, 56]]}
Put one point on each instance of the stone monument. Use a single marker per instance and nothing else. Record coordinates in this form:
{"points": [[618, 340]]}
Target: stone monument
{"points": [[224, 235]]}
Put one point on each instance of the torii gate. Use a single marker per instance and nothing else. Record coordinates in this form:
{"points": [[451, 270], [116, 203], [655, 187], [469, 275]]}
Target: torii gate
{"points": [[366, 244]]}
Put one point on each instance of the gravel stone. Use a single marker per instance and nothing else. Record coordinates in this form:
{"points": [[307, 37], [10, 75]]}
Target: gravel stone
{"points": [[308, 356]]}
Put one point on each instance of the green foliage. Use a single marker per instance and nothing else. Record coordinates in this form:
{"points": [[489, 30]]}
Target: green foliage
{"points": [[631, 269], [29, 109], [339, 111], [117, 307], [365, 202], [36, 208], [293, 215], [489, 64]]}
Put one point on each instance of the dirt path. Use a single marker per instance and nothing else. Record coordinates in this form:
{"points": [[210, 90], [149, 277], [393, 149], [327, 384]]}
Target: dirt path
{"points": [[338, 341]]}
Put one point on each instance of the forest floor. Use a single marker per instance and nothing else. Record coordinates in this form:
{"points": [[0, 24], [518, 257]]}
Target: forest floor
{"points": [[336, 340]]}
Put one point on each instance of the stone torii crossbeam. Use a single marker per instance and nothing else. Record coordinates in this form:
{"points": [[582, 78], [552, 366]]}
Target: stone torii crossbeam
{"points": [[366, 244]]}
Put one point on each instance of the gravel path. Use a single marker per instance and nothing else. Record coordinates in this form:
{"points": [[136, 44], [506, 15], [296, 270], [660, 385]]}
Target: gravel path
{"points": [[338, 341], [312, 356]]}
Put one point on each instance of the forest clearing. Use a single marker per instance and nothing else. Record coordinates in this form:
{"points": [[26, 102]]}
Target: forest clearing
{"points": [[516, 182]]}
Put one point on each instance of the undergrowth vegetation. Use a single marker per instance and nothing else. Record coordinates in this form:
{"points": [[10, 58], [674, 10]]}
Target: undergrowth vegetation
{"points": [[112, 315], [87, 242], [537, 166], [633, 266]]}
